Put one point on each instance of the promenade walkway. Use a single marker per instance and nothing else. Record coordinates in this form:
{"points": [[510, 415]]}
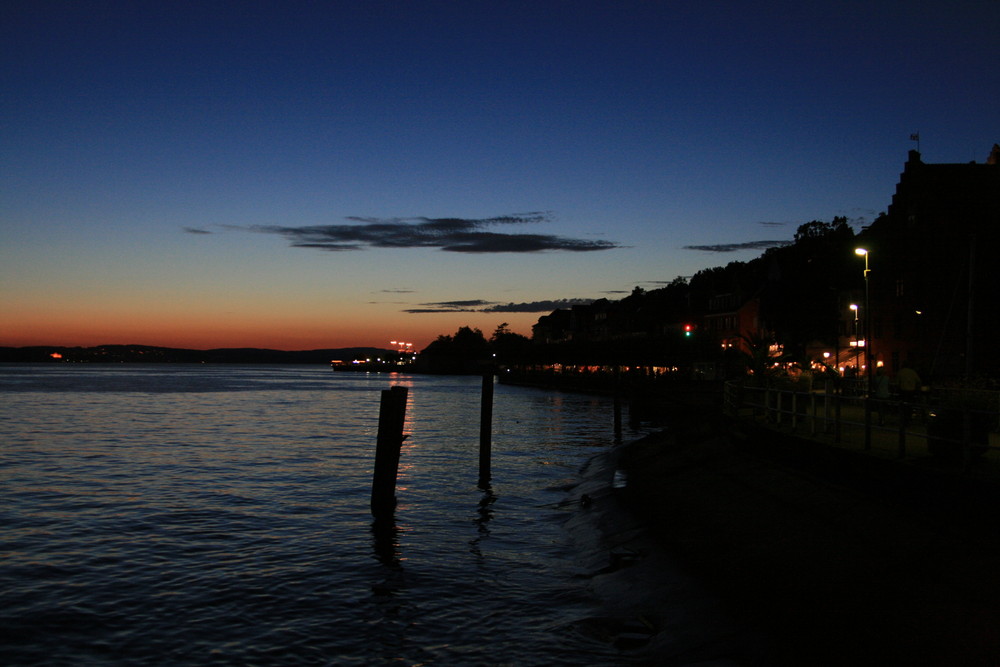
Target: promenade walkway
{"points": [[837, 553], [935, 435]]}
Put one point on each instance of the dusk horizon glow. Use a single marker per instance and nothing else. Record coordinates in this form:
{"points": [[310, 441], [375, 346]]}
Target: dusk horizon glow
{"points": [[303, 176]]}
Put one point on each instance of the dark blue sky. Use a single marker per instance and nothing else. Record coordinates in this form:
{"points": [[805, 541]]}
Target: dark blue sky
{"points": [[161, 161]]}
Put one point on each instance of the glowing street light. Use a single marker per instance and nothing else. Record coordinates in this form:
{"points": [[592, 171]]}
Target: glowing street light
{"points": [[863, 252], [855, 308]]}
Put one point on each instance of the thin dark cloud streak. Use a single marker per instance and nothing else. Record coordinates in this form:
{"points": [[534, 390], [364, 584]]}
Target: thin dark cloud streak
{"points": [[464, 235], [734, 247], [195, 230], [537, 306], [481, 306]]}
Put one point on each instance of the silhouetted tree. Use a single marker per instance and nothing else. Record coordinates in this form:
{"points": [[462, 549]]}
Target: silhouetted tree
{"points": [[464, 352], [799, 299], [509, 347]]}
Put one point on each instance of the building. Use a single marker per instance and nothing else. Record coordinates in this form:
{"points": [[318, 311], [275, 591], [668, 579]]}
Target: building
{"points": [[933, 278]]}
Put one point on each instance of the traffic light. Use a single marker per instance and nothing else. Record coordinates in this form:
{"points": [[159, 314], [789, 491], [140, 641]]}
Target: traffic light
{"points": [[688, 330]]}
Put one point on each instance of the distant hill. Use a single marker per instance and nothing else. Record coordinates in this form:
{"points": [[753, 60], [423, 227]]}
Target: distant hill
{"points": [[151, 355]]}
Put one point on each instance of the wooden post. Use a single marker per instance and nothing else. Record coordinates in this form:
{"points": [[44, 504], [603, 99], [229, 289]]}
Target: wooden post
{"points": [[836, 416], [902, 437], [391, 416], [486, 430], [812, 411], [868, 422], [795, 409], [826, 406], [966, 437], [618, 404]]}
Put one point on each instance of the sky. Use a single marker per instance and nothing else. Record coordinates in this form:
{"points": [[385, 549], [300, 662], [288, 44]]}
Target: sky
{"points": [[303, 175]]}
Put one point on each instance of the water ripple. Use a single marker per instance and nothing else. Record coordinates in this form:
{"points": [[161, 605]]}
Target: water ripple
{"points": [[190, 515]]}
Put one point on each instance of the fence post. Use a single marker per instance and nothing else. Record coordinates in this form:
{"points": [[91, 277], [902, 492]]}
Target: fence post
{"points": [[826, 407], [868, 422], [836, 417], [902, 434], [812, 413], [485, 430], [966, 437], [391, 416], [795, 409]]}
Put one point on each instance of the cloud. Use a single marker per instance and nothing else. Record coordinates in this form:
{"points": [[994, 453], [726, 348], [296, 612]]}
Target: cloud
{"points": [[772, 224], [467, 235], [481, 306], [195, 230], [469, 306], [733, 247], [536, 306]]}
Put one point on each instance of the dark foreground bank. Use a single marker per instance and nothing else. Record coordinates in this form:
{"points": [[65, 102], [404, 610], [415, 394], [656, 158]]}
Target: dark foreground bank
{"points": [[787, 564]]}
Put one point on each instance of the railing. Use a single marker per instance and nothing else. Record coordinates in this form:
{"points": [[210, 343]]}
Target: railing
{"points": [[938, 425]]}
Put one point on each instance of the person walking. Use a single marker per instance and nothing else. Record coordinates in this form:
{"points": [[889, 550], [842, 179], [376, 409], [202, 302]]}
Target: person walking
{"points": [[881, 394], [909, 385]]}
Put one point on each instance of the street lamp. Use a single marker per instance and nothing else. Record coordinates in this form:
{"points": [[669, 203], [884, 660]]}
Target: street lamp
{"points": [[854, 307], [863, 252]]}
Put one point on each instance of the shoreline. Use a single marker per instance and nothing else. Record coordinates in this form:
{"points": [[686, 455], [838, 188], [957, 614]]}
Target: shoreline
{"points": [[787, 566], [654, 610]]}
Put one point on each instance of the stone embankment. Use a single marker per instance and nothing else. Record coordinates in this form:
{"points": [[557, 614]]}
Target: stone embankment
{"points": [[816, 557]]}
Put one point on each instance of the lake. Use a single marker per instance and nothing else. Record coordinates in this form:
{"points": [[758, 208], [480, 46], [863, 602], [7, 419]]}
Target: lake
{"points": [[173, 514]]}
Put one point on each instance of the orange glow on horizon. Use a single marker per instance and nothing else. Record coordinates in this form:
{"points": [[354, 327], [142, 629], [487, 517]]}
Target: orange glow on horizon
{"points": [[200, 332]]}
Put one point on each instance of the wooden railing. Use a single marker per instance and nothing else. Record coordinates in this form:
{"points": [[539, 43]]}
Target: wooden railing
{"points": [[939, 423]]}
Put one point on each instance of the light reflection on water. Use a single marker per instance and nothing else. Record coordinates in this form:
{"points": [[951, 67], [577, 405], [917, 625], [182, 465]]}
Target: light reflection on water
{"points": [[153, 514]]}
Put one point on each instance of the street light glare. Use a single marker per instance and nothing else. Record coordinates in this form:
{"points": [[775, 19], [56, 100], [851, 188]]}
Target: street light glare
{"points": [[861, 251], [854, 306]]}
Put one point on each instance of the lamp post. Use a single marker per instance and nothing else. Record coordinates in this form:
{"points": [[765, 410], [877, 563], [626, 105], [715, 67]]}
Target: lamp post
{"points": [[854, 307], [863, 252]]}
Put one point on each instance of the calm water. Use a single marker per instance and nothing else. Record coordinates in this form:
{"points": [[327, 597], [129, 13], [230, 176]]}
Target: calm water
{"points": [[215, 514]]}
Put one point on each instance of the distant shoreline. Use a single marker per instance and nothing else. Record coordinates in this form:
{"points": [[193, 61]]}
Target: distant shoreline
{"points": [[158, 355]]}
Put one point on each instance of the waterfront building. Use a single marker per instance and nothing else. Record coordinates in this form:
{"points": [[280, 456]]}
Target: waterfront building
{"points": [[934, 280]]}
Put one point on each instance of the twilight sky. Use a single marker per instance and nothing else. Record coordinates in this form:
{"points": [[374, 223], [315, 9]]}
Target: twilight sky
{"points": [[301, 175]]}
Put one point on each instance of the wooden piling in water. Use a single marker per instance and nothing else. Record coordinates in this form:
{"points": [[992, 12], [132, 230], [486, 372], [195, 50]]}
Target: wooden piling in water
{"points": [[392, 414], [486, 430], [618, 405]]}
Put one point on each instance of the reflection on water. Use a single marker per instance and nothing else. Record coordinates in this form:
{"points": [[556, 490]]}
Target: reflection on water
{"points": [[163, 514], [485, 514], [386, 541]]}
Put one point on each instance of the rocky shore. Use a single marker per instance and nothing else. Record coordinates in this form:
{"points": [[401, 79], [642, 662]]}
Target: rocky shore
{"points": [[718, 547]]}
